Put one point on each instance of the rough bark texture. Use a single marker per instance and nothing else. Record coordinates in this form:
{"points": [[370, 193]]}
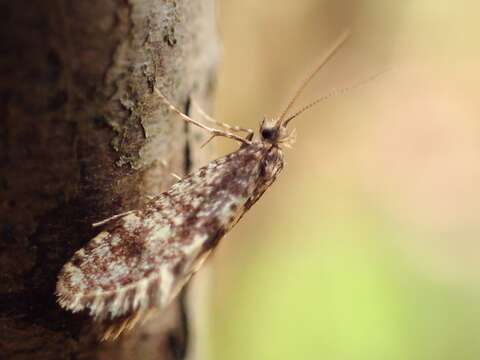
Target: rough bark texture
{"points": [[81, 139]]}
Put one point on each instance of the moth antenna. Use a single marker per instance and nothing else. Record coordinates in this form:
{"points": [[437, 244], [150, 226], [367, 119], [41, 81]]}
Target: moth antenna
{"points": [[330, 53], [334, 93]]}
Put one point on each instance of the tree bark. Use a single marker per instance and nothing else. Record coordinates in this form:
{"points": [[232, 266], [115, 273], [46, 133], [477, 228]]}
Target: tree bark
{"points": [[82, 138]]}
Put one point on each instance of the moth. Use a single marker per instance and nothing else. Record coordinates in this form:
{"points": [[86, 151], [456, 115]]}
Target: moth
{"points": [[143, 258]]}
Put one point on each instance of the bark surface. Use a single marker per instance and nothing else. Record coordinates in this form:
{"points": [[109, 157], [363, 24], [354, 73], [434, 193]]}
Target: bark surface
{"points": [[82, 138]]}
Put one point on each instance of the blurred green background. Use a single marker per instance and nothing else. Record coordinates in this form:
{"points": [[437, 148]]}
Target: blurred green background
{"points": [[367, 245]]}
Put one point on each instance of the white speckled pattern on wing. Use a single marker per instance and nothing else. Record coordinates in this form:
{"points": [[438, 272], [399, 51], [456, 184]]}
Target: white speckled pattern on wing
{"points": [[145, 257]]}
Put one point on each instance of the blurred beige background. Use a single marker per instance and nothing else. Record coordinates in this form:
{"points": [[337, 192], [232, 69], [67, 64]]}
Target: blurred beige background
{"points": [[367, 247]]}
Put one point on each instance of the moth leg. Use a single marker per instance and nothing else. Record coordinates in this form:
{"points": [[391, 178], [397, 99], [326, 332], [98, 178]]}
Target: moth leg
{"points": [[232, 128], [208, 140], [174, 175], [245, 141], [188, 119], [102, 222]]}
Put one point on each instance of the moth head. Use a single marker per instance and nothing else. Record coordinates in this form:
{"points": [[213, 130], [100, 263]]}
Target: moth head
{"points": [[272, 131]]}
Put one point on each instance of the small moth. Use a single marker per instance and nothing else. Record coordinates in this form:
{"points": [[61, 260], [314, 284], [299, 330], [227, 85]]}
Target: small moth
{"points": [[143, 258]]}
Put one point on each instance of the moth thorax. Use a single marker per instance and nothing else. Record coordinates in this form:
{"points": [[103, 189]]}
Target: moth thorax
{"points": [[273, 161]]}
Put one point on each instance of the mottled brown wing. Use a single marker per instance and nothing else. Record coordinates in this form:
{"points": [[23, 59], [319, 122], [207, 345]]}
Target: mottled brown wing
{"points": [[144, 258]]}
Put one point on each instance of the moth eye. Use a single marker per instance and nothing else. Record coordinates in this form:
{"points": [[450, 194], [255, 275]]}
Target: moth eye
{"points": [[268, 133]]}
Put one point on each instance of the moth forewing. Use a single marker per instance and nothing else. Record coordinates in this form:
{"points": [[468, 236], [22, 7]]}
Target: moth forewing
{"points": [[143, 258]]}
